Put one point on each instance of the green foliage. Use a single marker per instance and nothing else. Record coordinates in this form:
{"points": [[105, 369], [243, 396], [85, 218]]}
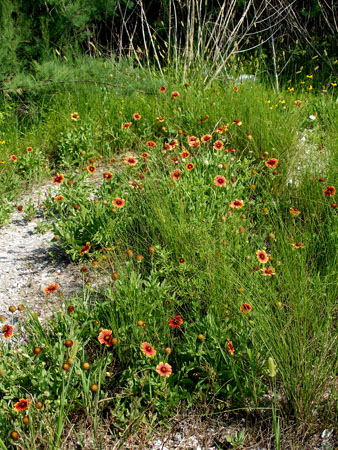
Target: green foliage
{"points": [[175, 247]]}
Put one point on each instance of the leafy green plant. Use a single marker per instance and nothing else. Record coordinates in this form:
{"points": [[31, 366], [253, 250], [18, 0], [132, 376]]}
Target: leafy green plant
{"points": [[237, 440]]}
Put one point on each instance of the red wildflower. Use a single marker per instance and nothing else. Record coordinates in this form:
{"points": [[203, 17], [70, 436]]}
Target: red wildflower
{"points": [[173, 144], [298, 244], [22, 405], [218, 145], [175, 94], [105, 337], [74, 116], [118, 202], [7, 330], [148, 350], [91, 169], [194, 141], [144, 155], [58, 179], [294, 212], [131, 161], [136, 116], [220, 181], [164, 369], [268, 271], [29, 149], [237, 204], [176, 174], [246, 308], [262, 256], [58, 198], [185, 155], [206, 138], [151, 144], [231, 348], [162, 89], [85, 248], [176, 322], [189, 166], [221, 129], [330, 191], [126, 125], [160, 119], [52, 288], [271, 162], [229, 150], [107, 175], [13, 158], [237, 122]]}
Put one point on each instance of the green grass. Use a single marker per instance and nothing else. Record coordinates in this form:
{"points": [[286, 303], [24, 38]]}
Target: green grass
{"points": [[177, 247]]}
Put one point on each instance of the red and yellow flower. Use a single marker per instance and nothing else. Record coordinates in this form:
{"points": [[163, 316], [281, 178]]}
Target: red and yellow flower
{"points": [[105, 337], [176, 174], [218, 145], [148, 350], [85, 248], [294, 212], [107, 175], [91, 169], [52, 288], [220, 181], [329, 191], [131, 161], [7, 331], [262, 256], [164, 369], [236, 204], [231, 348], [118, 202], [245, 308], [206, 138], [297, 244], [22, 404], [176, 322], [151, 144], [268, 271], [271, 162]]}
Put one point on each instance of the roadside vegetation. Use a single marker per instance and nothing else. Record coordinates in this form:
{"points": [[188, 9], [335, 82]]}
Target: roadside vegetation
{"points": [[214, 216]]}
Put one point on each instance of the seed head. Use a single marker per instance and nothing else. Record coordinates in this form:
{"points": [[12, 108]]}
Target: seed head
{"points": [[15, 435], [66, 367]]}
